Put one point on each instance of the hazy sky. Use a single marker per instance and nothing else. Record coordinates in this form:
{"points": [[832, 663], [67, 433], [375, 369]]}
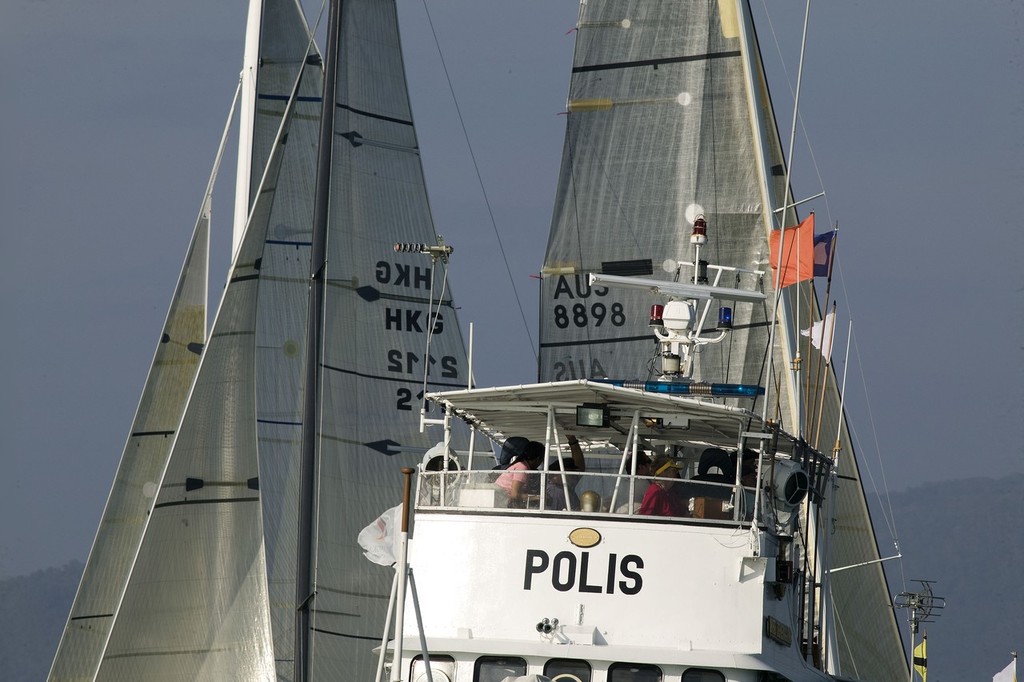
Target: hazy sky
{"points": [[113, 109]]}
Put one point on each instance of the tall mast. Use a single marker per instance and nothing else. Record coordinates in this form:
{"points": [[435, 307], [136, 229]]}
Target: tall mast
{"points": [[314, 355], [247, 113]]}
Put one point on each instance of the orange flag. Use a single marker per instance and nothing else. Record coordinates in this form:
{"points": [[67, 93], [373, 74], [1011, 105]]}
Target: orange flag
{"points": [[798, 260]]}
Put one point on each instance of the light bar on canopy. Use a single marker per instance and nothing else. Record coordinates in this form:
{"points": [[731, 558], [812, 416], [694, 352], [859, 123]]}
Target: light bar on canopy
{"points": [[688, 388]]}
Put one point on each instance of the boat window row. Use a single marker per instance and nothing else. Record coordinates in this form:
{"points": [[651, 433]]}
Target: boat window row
{"points": [[500, 668]]}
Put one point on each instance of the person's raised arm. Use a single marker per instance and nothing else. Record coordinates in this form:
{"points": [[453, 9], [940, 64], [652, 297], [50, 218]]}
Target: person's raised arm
{"points": [[577, 453]]}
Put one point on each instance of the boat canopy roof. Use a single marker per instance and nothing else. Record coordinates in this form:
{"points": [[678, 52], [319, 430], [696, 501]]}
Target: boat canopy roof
{"points": [[527, 410]]}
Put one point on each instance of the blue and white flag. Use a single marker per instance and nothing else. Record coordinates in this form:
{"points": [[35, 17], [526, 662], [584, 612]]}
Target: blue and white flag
{"points": [[823, 253]]}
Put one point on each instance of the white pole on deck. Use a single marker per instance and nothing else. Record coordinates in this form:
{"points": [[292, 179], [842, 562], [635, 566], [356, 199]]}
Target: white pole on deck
{"points": [[402, 567], [795, 368], [387, 622]]}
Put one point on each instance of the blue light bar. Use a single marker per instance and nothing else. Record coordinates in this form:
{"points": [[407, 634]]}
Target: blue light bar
{"points": [[695, 388]]}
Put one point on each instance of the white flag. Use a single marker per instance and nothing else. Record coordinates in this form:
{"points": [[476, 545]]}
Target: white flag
{"points": [[1008, 674], [821, 334], [380, 540]]}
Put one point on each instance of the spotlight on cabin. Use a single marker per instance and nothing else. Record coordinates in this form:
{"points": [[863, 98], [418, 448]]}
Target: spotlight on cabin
{"points": [[592, 414], [791, 483], [434, 459]]}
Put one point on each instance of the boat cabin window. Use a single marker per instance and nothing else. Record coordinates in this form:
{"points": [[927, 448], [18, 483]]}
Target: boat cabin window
{"points": [[567, 670], [703, 675], [634, 672], [442, 669], [497, 668]]}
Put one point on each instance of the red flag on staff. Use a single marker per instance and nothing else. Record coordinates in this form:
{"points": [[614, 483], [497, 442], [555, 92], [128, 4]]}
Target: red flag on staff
{"points": [[799, 245]]}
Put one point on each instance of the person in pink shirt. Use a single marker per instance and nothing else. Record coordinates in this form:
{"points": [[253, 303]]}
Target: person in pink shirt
{"points": [[518, 484]]}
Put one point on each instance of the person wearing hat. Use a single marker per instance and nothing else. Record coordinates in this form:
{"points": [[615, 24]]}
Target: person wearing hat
{"points": [[516, 483], [512, 449], [658, 499]]}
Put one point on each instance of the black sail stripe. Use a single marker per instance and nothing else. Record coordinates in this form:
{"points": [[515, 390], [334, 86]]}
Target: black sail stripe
{"points": [[345, 635], [596, 342], [370, 114], [656, 62], [227, 500], [400, 380], [95, 615]]}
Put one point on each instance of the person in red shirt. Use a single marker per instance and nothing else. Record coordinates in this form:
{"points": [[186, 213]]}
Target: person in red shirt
{"points": [[658, 499]]}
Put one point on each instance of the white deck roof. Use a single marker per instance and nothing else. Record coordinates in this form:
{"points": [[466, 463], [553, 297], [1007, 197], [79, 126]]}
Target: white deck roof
{"points": [[523, 411]]}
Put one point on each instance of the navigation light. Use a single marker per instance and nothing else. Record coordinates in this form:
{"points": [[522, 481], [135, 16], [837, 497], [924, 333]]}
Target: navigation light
{"points": [[725, 318], [700, 231]]}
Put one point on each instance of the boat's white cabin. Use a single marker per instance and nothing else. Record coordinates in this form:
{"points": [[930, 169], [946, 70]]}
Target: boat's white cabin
{"points": [[602, 588]]}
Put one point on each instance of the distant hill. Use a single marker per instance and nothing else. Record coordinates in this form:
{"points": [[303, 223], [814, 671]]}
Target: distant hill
{"points": [[33, 610], [966, 535]]}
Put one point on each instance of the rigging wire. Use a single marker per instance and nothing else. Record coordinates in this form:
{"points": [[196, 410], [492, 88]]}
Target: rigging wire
{"points": [[433, 314], [885, 502], [480, 180], [803, 128]]}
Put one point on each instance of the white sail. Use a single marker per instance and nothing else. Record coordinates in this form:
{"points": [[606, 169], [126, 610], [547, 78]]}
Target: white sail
{"points": [[375, 324], [212, 587], [284, 46], [669, 118], [196, 606], [142, 463], [658, 132]]}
